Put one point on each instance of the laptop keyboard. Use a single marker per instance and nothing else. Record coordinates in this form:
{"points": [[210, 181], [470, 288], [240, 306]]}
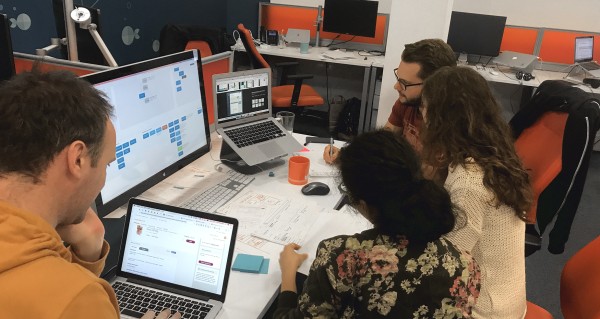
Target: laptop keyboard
{"points": [[135, 301], [253, 134], [218, 195], [590, 66]]}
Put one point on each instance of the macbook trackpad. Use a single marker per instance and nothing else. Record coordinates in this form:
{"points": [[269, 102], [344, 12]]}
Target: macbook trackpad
{"points": [[271, 150]]}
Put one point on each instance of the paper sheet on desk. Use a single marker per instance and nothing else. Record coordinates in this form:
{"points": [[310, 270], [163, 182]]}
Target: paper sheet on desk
{"points": [[318, 166], [289, 224], [250, 208], [337, 55]]}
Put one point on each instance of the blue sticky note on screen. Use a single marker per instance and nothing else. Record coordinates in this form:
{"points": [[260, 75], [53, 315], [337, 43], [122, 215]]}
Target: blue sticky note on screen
{"points": [[248, 263]]}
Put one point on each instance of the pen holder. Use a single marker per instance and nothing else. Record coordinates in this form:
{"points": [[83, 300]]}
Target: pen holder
{"points": [[298, 170]]}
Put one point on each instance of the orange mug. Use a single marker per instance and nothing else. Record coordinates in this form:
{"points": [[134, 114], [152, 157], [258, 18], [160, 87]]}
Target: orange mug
{"points": [[298, 170]]}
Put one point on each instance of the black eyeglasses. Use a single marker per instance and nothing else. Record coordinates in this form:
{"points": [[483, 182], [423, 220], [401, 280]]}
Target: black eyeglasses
{"points": [[403, 85]]}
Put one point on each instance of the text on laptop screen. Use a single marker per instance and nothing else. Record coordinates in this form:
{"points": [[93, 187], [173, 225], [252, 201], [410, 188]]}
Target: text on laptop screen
{"points": [[185, 250], [242, 96], [159, 118], [584, 49]]}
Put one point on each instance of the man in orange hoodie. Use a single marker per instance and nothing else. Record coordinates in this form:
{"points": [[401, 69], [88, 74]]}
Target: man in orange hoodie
{"points": [[56, 139]]}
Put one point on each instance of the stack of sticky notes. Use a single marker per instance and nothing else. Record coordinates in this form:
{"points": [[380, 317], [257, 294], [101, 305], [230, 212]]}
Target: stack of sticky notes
{"points": [[251, 263]]}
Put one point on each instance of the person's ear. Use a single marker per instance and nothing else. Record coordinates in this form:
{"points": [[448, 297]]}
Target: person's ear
{"points": [[76, 157]]}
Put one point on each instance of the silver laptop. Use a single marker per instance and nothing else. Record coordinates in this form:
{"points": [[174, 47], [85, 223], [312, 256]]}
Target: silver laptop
{"points": [[516, 60], [243, 117], [297, 36], [173, 258], [584, 54]]}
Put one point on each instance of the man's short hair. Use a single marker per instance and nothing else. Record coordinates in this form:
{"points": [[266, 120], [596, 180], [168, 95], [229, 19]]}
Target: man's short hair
{"points": [[430, 54], [41, 114]]}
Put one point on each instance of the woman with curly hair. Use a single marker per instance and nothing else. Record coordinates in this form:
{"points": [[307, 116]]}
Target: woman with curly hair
{"points": [[402, 267], [465, 134]]}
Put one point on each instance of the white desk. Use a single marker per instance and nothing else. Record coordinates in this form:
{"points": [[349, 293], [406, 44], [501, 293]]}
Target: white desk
{"points": [[249, 295], [370, 63]]}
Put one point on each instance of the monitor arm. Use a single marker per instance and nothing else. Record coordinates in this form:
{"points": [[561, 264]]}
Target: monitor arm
{"points": [[318, 24], [83, 17]]}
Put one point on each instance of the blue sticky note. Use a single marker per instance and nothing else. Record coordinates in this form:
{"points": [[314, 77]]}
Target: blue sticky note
{"points": [[264, 268], [248, 263]]}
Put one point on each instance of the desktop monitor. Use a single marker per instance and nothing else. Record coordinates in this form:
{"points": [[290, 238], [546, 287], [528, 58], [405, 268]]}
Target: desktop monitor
{"points": [[7, 62], [161, 123], [87, 49], [584, 49], [353, 17], [477, 34]]}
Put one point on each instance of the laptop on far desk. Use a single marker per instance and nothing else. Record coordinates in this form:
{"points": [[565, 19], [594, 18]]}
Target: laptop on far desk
{"points": [[251, 136], [173, 258], [584, 54]]}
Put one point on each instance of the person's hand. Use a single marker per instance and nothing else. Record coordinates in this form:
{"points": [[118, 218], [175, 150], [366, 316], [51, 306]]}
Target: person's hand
{"points": [[86, 238], [330, 157], [289, 261], [166, 313]]}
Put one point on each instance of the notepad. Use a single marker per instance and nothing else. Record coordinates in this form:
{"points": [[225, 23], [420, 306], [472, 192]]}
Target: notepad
{"points": [[248, 263]]}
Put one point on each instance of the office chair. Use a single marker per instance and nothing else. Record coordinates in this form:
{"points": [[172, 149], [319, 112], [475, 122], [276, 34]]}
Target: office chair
{"points": [[176, 38], [580, 283], [292, 97], [536, 312], [579, 286], [554, 135]]}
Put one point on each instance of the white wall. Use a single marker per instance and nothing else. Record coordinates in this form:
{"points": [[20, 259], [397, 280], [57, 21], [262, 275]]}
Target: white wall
{"points": [[410, 21], [579, 15], [384, 5]]}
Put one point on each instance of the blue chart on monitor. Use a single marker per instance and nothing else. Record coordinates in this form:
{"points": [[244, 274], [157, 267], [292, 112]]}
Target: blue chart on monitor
{"points": [[158, 118]]}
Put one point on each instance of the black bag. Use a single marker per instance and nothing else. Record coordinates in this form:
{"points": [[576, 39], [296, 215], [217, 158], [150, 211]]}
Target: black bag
{"points": [[347, 123]]}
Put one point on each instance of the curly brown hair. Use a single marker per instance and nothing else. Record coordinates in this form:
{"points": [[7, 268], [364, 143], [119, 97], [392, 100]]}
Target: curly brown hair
{"points": [[463, 120]]}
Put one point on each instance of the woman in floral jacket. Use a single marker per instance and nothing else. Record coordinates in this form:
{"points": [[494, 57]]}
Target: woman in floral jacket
{"points": [[401, 268]]}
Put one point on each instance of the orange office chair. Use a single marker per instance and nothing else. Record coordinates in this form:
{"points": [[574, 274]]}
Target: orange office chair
{"points": [[554, 135], [536, 312], [580, 283], [543, 161], [294, 96], [579, 286]]}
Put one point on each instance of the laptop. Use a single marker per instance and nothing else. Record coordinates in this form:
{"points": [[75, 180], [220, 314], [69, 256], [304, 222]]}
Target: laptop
{"points": [[297, 36], [173, 258], [243, 117], [516, 60], [584, 53]]}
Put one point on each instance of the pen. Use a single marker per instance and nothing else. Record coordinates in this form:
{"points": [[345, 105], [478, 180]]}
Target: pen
{"points": [[331, 148]]}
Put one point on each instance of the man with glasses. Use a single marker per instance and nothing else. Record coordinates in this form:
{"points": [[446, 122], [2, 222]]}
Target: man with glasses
{"points": [[419, 60]]}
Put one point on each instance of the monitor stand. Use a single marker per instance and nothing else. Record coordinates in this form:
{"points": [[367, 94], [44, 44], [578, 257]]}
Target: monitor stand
{"points": [[232, 160]]}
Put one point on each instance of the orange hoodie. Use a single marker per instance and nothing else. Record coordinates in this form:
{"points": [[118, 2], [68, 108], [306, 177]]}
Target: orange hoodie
{"points": [[40, 278]]}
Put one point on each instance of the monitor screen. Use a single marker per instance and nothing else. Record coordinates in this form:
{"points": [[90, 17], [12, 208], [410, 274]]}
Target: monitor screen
{"points": [[243, 94], [584, 49], [7, 62], [353, 17], [477, 34], [160, 119]]}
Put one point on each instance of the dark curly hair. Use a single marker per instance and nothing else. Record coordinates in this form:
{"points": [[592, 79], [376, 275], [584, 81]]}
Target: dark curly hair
{"points": [[42, 113], [430, 54], [382, 169], [463, 120]]}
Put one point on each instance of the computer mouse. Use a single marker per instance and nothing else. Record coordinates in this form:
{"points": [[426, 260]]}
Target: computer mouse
{"points": [[315, 188]]}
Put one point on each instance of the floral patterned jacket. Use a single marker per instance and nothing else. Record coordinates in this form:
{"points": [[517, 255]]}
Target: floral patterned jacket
{"points": [[369, 275]]}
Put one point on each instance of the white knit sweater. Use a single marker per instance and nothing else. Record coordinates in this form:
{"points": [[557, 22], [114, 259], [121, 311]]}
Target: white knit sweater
{"points": [[495, 237]]}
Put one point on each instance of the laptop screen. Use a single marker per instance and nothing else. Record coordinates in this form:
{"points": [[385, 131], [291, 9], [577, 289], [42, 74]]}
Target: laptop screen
{"points": [[160, 119], [584, 49], [242, 95], [165, 244]]}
